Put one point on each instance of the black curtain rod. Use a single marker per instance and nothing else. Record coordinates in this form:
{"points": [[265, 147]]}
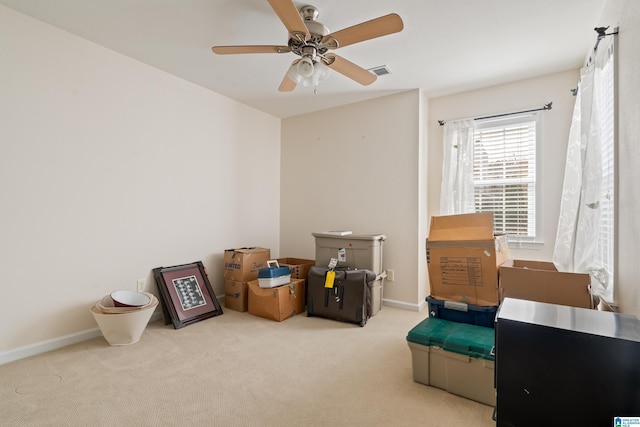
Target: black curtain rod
{"points": [[546, 107], [602, 33]]}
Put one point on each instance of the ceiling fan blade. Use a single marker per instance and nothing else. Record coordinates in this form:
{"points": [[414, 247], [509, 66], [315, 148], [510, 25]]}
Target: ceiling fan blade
{"points": [[351, 70], [287, 84], [368, 30], [226, 50], [290, 16]]}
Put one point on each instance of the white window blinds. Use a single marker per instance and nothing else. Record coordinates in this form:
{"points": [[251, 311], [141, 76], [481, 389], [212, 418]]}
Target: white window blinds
{"points": [[605, 96], [504, 173]]}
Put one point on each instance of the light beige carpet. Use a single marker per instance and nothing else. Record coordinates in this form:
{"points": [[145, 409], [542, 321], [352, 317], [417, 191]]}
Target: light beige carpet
{"points": [[237, 370]]}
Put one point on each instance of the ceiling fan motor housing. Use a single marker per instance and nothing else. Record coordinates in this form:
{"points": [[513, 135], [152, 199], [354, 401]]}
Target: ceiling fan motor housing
{"points": [[309, 12], [317, 31]]}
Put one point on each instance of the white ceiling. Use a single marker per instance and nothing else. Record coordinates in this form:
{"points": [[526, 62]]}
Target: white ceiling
{"points": [[446, 46]]}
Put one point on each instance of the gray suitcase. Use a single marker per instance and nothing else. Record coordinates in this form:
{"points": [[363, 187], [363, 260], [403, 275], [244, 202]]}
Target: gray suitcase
{"points": [[349, 299]]}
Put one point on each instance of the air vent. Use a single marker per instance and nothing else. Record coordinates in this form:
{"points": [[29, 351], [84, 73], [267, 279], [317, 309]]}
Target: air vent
{"points": [[382, 70]]}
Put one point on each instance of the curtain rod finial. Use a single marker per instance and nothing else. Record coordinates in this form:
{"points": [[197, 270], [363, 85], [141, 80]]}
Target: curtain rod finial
{"points": [[547, 106], [441, 122], [601, 31]]}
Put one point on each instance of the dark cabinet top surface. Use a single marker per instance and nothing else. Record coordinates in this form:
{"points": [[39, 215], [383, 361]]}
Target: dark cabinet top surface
{"points": [[602, 323]]}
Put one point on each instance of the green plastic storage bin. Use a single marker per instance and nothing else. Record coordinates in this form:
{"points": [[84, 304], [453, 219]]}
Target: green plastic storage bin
{"points": [[456, 357], [461, 338]]}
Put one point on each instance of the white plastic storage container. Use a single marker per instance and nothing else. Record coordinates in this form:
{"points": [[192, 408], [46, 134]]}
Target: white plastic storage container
{"points": [[355, 251], [362, 252]]}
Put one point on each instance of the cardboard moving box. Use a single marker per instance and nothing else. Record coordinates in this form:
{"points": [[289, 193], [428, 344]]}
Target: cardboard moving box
{"points": [[235, 295], [463, 258], [242, 264], [540, 281], [278, 303], [299, 266]]}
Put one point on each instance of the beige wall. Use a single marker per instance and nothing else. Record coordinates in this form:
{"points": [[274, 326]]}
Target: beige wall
{"points": [[628, 286], [358, 168], [110, 168]]}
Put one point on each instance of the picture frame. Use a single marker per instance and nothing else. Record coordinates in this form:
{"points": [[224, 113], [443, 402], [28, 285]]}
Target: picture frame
{"points": [[186, 294]]}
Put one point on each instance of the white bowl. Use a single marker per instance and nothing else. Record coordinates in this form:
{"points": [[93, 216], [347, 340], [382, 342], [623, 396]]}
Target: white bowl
{"points": [[106, 305], [129, 299]]}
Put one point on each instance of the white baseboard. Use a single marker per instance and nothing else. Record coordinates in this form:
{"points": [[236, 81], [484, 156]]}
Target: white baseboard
{"points": [[55, 343], [48, 345], [404, 305]]}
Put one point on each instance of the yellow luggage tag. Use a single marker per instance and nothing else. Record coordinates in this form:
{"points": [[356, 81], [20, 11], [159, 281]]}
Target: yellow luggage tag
{"points": [[328, 281]]}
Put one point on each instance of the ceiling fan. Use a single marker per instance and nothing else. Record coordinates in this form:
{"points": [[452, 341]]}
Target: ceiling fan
{"points": [[311, 41]]}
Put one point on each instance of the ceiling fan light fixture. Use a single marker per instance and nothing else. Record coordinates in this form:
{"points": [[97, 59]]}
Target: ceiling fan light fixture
{"points": [[305, 67], [293, 74], [320, 73]]}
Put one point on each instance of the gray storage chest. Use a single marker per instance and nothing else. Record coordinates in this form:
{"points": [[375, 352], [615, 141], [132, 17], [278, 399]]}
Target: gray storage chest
{"points": [[356, 252]]}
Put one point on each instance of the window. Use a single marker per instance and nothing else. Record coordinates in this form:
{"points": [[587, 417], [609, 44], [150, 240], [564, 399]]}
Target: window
{"points": [[504, 173]]}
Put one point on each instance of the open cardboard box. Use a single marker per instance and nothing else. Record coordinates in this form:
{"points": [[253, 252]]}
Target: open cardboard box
{"points": [[299, 266], [541, 281], [463, 257], [279, 303]]}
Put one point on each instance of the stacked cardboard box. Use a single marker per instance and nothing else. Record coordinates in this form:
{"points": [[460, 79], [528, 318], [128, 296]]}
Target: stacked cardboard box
{"points": [[241, 266], [468, 264], [464, 257], [279, 303]]}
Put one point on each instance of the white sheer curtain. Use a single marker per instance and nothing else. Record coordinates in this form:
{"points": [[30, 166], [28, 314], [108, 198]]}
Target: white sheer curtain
{"points": [[580, 209], [456, 193]]}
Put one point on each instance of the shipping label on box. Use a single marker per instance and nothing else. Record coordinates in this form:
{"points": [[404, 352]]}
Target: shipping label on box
{"points": [[242, 264], [465, 271]]}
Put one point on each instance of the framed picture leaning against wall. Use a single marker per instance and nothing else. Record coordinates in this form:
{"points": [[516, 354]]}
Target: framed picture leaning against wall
{"points": [[186, 294]]}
